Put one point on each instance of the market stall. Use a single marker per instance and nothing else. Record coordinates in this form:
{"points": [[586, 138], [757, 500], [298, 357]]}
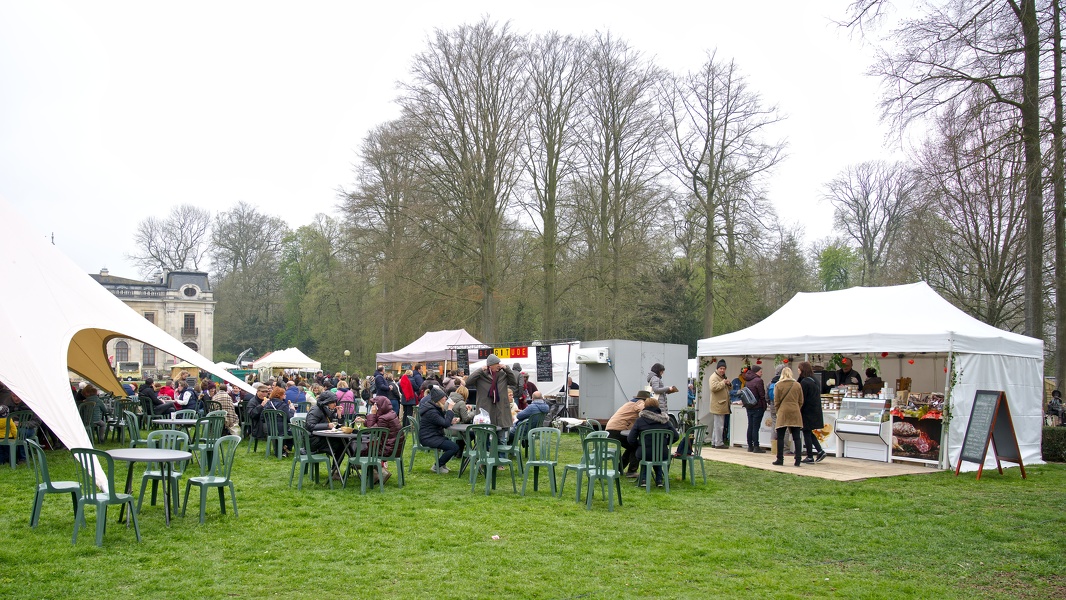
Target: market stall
{"points": [[910, 333]]}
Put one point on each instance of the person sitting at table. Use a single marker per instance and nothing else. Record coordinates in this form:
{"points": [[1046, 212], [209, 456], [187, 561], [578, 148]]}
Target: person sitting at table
{"points": [[323, 417], [622, 420], [225, 400], [652, 418], [100, 411], [536, 406], [382, 415], [10, 430], [148, 393], [33, 423], [434, 415], [277, 402], [459, 406]]}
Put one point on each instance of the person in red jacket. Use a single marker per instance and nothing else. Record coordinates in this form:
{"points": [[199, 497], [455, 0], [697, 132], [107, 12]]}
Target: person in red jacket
{"points": [[408, 397]]}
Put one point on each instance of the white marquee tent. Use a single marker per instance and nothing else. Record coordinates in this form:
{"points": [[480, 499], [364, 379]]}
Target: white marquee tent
{"points": [[910, 319], [54, 317], [289, 358], [432, 346]]}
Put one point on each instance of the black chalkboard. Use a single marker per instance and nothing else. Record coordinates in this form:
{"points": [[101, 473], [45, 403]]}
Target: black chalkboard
{"points": [[544, 363], [978, 430], [462, 360]]}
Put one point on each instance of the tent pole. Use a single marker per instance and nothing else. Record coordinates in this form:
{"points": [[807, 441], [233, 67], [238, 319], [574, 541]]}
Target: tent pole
{"points": [[945, 425]]}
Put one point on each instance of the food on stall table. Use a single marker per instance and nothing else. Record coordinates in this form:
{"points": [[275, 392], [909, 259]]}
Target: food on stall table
{"points": [[904, 429]]}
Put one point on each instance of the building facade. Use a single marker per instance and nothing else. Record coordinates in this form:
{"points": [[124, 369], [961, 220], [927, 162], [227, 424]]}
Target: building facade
{"points": [[178, 302]]}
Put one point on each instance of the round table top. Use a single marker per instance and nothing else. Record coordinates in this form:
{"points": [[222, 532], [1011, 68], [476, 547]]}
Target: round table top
{"points": [[337, 433], [175, 421], [149, 454]]}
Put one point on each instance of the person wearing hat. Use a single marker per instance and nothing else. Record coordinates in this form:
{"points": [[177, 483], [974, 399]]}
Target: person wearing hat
{"points": [[756, 413], [622, 420], [720, 387], [322, 417], [434, 416], [655, 380], [845, 375], [490, 386]]}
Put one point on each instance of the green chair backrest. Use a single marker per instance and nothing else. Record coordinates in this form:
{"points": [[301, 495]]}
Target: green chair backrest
{"points": [[277, 423], [544, 444], [222, 458], [484, 440], [301, 440], [583, 431], [85, 409], [401, 441], [21, 417], [132, 426], [186, 413], [87, 475], [698, 433], [212, 406], [536, 420], [304, 406], [168, 439], [598, 452], [209, 429], [300, 422], [520, 432], [35, 456], [655, 444], [375, 446], [594, 424], [218, 412], [598, 434]]}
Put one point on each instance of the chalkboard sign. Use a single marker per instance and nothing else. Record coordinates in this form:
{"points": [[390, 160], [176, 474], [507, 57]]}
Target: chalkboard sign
{"points": [[990, 422], [462, 359], [544, 363]]}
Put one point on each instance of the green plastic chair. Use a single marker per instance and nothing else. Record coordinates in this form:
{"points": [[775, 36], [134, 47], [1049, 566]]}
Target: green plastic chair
{"points": [[659, 441], [119, 425], [306, 460], [397, 453], [580, 470], [86, 410], [298, 422], [303, 407], [45, 485], [89, 492], [513, 450], [543, 445], [599, 433], [601, 467], [697, 432], [185, 413], [583, 431], [168, 439], [15, 440], [278, 431], [147, 411], [487, 455], [416, 446], [134, 429], [208, 430], [375, 447], [594, 424], [218, 476], [211, 406]]}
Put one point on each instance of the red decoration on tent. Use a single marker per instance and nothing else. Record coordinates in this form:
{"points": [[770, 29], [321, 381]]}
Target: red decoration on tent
{"points": [[884, 354], [758, 361], [785, 361], [945, 369], [911, 361]]}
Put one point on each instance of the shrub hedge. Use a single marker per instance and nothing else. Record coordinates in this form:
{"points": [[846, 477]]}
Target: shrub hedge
{"points": [[1054, 444]]}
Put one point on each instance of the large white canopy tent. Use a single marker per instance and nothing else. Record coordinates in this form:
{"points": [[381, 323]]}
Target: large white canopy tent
{"points": [[289, 358], [54, 317], [916, 321], [432, 346]]}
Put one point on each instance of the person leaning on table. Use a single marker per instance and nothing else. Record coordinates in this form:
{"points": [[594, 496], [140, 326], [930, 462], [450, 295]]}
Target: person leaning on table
{"points": [[434, 415], [622, 420]]}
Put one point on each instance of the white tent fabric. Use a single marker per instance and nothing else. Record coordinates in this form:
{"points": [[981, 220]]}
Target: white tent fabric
{"points": [[289, 358], [907, 318], [54, 317], [432, 346]]}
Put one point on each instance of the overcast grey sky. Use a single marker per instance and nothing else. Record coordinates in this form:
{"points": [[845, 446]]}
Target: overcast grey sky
{"points": [[114, 111]]}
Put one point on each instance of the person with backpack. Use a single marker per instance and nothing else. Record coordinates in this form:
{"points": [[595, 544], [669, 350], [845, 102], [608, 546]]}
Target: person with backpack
{"points": [[758, 410]]}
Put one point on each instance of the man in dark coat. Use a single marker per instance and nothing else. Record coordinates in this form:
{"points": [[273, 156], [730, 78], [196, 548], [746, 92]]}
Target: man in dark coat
{"points": [[845, 375], [491, 384], [434, 415], [755, 414]]}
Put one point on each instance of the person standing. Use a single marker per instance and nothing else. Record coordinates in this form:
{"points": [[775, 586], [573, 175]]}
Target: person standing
{"points": [[845, 375], [788, 400], [756, 413], [655, 380], [490, 386], [408, 396], [812, 413], [622, 420], [720, 388]]}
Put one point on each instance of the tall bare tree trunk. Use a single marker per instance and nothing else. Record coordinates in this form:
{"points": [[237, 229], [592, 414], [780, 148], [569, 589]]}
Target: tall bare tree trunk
{"points": [[1059, 190], [1034, 197]]}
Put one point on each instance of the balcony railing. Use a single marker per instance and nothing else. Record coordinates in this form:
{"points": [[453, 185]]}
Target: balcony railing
{"points": [[190, 331]]}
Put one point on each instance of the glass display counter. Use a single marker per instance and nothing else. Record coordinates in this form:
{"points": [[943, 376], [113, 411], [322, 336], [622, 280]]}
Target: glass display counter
{"points": [[864, 428]]}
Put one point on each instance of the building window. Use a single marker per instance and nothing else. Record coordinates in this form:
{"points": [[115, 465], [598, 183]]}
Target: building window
{"points": [[192, 346], [148, 356], [189, 324], [190, 292], [122, 352], [150, 317]]}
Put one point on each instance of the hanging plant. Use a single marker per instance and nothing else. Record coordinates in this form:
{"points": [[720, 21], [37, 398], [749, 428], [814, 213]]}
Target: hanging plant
{"points": [[835, 362], [869, 360]]}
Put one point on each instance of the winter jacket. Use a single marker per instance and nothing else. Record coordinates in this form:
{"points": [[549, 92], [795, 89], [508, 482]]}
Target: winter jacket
{"points": [[624, 417], [720, 388], [537, 406], [756, 386], [465, 414], [812, 404], [387, 418], [649, 419], [318, 420], [659, 388], [295, 395], [431, 423], [407, 391], [788, 398], [381, 386], [481, 381], [417, 380]]}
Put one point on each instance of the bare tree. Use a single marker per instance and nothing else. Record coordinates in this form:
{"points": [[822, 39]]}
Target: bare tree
{"points": [[717, 132], [557, 77], [467, 98], [873, 201], [1058, 178], [955, 49], [176, 243], [244, 239]]}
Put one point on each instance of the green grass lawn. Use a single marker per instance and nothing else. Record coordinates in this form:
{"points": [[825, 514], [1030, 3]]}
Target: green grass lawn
{"points": [[746, 534]]}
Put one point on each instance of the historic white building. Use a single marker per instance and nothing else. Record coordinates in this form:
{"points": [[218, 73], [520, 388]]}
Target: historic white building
{"points": [[179, 302]]}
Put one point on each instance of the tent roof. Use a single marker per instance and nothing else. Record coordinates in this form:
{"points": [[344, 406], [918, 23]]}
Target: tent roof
{"points": [[433, 345], [901, 318], [60, 318], [289, 358]]}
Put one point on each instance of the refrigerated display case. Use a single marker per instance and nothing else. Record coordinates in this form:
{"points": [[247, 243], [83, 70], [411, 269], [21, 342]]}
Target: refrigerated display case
{"points": [[864, 428]]}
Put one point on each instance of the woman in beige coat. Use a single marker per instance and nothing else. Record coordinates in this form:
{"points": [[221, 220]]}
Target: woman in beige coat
{"points": [[720, 387], [788, 398]]}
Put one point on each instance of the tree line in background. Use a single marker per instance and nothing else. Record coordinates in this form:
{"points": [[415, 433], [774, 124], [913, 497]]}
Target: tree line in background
{"points": [[549, 186]]}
